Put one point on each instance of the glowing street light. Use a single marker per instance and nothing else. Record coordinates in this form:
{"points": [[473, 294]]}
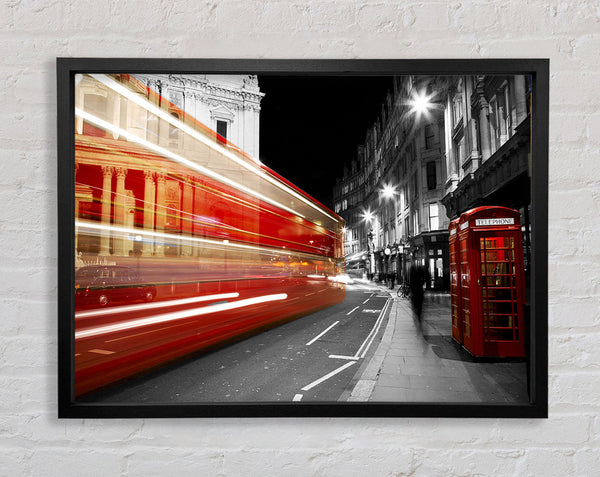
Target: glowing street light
{"points": [[421, 103], [367, 215], [388, 191]]}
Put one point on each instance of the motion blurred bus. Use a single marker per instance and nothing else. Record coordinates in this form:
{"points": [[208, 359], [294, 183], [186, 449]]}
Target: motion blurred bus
{"points": [[205, 244]]}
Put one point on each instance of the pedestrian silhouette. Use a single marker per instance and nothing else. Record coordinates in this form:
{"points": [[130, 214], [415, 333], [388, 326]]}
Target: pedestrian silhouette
{"points": [[417, 279]]}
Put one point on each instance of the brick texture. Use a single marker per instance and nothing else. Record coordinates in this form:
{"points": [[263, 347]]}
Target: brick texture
{"points": [[33, 442]]}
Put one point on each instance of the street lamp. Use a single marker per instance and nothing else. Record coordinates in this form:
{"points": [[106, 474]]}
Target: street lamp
{"points": [[421, 104], [388, 191]]}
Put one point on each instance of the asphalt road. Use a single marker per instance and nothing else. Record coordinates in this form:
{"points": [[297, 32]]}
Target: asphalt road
{"points": [[313, 358]]}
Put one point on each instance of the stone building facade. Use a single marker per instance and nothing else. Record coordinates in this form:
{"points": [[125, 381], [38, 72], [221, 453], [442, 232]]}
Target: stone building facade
{"points": [[122, 179], [391, 197], [488, 146], [441, 146], [227, 104]]}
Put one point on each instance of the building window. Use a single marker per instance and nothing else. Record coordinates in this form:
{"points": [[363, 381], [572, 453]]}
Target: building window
{"points": [[429, 136], [434, 219], [222, 128], [431, 176]]}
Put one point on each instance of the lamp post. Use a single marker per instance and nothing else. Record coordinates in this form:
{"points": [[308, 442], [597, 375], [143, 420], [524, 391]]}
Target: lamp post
{"points": [[371, 251], [367, 218], [389, 193]]}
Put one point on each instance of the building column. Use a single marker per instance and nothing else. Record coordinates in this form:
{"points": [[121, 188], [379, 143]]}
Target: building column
{"points": [[502, 117], [451, 170], [120, 201], [187, 214], [520, 98], [484, 131], [161, 210], [107, 172], [149, 195]]}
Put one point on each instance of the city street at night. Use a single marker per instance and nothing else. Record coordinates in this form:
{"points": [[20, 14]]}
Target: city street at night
{"points": [[215, 263], [312, 358], [369, 348]]}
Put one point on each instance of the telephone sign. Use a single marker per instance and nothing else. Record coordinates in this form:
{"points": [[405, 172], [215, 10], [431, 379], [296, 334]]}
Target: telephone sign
{"points": [[495, 221]]}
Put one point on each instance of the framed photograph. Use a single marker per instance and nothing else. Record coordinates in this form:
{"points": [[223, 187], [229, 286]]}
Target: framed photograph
{"points": [[352, 238]]}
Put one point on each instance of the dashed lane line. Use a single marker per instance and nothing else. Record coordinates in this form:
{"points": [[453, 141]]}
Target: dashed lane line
{"points": [[321, 334], [353, 309]]}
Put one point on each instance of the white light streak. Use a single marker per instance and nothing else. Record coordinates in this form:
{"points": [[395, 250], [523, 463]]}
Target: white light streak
{"points": [[160, 304], [110, 83], [161, 235], [179, 159], [177, 315]]}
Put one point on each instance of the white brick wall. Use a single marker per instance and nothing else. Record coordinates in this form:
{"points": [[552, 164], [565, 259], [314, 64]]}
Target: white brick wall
{"points": [[32, 34]]}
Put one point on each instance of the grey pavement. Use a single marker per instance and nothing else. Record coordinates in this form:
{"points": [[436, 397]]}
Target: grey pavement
{"points": [[418, 361]]}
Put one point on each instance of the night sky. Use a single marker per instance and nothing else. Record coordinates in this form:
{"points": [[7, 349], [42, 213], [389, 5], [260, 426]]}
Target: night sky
{"points": [[310, 126]]}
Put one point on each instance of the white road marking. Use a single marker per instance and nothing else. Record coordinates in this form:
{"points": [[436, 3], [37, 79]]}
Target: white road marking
{"points": [[327, 376], [321, 334], [321, 291], [338, 356], [367, 343], [297, 397], [313, 293], [351, 310], [366, 300]]}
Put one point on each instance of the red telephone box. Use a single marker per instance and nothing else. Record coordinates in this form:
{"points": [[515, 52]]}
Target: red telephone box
{"points": [[490, 283], [454, 281]]}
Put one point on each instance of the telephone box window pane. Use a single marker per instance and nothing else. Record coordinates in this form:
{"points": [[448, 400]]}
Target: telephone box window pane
{"points": [[499, 294]]}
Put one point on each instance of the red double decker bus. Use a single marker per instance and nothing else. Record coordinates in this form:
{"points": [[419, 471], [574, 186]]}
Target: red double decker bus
{"points": [[183, 242]]}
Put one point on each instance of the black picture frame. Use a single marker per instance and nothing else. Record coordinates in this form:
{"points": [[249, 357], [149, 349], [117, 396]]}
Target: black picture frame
{"points": [[538, 69]]}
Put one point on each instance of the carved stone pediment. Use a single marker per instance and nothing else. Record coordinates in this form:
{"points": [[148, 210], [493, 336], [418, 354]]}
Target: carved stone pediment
{"points": [[222, 112]]}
